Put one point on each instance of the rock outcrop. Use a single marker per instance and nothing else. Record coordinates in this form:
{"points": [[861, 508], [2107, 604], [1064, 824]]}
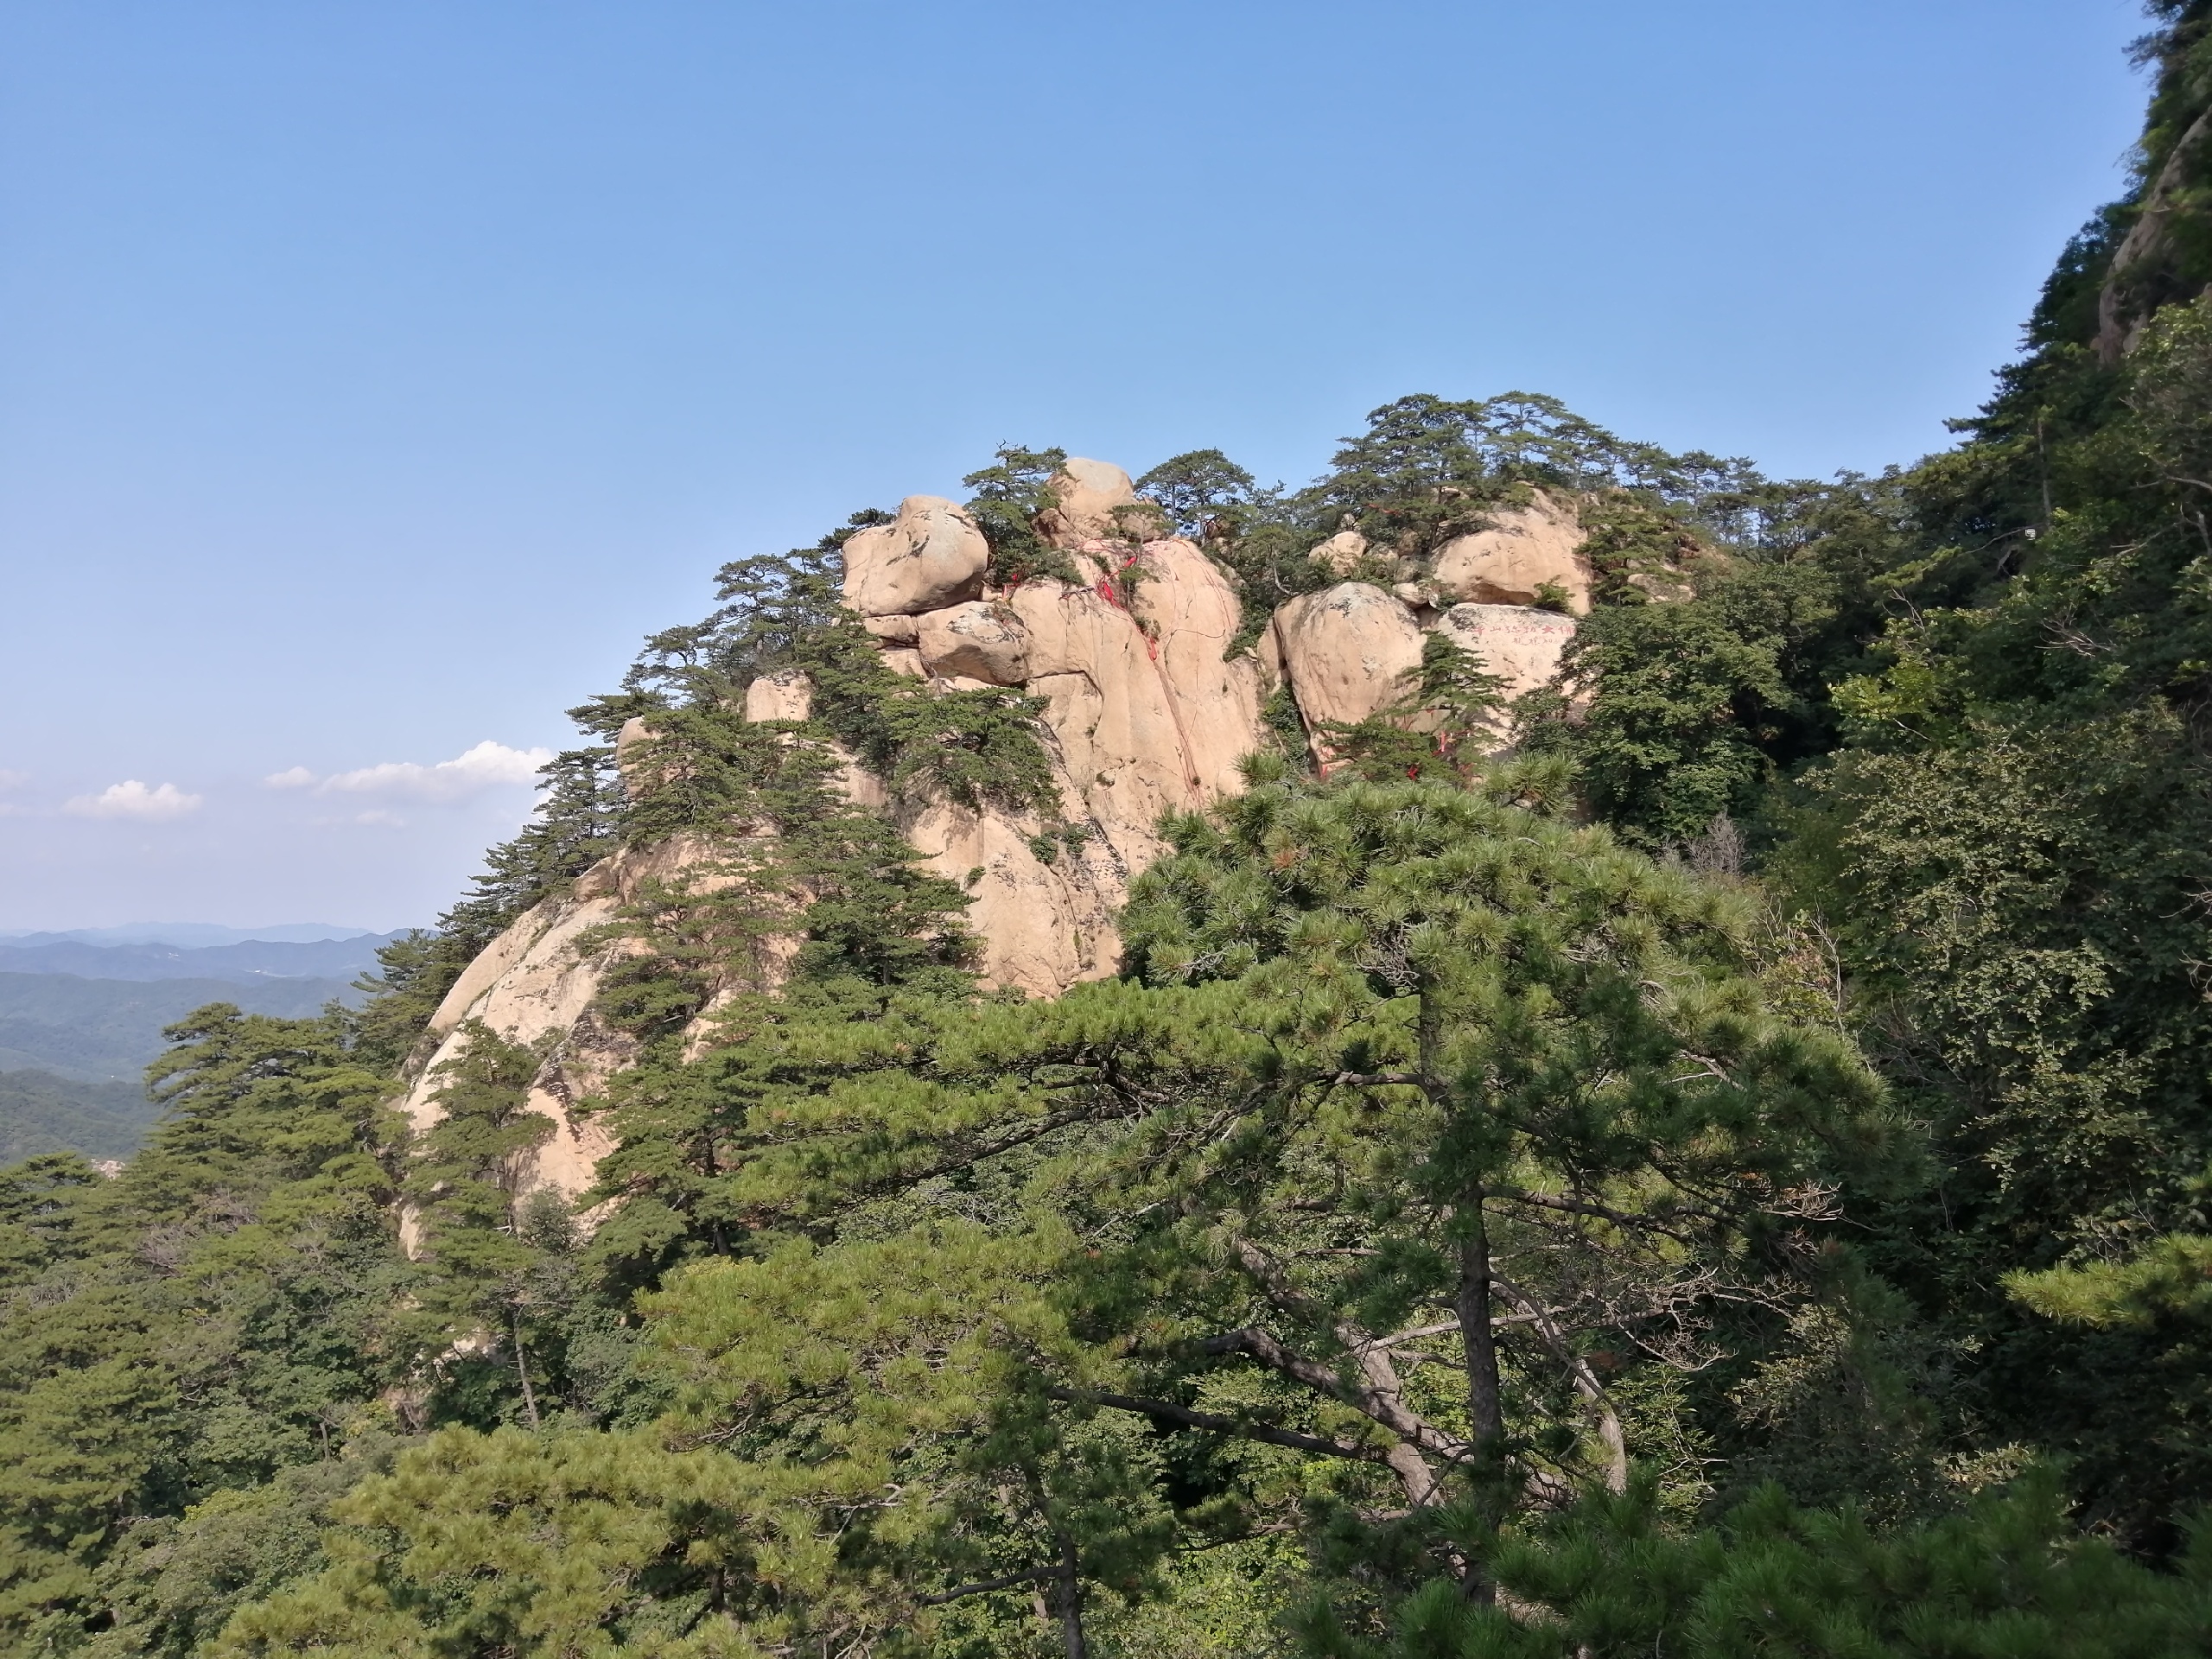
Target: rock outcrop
{"points": [[1094, 501], [1342, 552], [929, 556], [1142, 715], [534, 985], [1347, 651], [1520, 645], [981, 641], [1522, 551]]}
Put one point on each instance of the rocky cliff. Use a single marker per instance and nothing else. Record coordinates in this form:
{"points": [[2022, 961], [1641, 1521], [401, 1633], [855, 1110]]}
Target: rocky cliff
{"points": [[1144, 712]]}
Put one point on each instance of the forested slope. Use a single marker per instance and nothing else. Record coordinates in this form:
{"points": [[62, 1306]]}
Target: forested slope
{"points": [[1712, 1158]]}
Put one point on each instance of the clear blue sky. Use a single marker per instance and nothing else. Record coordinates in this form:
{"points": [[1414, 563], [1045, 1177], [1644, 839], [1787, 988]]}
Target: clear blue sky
{"points": [[373, 375]]}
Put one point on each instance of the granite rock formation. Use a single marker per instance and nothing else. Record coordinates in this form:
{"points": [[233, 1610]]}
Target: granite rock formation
{"points": [[1143, 714]]}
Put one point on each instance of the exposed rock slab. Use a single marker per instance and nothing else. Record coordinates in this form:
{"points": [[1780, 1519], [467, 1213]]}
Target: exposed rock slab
{"points": [[1520, 645], [983, 640], [534, 984]]}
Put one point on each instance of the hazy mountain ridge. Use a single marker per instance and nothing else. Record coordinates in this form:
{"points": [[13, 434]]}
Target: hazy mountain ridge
{"points": [[247, 961], [190, 936], [99, 1030]]}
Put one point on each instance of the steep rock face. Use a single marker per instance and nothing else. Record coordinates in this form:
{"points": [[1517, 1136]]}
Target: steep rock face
{"points": [[534, 985], [930, 556], [1522, 550], [1141, 716]]}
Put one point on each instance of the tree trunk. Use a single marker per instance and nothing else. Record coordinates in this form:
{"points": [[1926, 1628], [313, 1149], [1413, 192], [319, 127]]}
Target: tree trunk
{"points": [[1070, 1602], [522, 1371], [1486, 1410]]}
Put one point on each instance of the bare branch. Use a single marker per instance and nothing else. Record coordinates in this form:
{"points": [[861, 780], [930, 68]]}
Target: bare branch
{"points": [[1168, 1411]]}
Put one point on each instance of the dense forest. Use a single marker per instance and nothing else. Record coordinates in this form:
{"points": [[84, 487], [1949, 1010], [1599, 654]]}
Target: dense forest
{"points": [[1727, 1171]]}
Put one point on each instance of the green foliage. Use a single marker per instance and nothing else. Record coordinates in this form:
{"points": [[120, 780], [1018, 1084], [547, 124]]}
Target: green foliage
{"points": [[1440, 726], [1009, 499], [1688, 703], [1608, 1579], [1207, 496], [1470, 1216], [42, 1113], [218, 1313]]}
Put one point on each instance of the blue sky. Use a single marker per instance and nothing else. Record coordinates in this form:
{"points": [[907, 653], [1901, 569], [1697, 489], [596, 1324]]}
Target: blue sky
{"points": [[372, 376]]}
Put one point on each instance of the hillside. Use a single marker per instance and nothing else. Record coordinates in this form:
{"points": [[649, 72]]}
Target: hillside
{"points": [[42, 1113], [1537, 1047]]}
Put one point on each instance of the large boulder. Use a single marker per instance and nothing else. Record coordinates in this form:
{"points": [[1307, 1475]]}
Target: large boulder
{"points": [[979, 640], [1349, 651], [1110, 712], [787, 694], [1521, 551], [1520, 645], [929, 556], [1085, 496], [1342, 552]]}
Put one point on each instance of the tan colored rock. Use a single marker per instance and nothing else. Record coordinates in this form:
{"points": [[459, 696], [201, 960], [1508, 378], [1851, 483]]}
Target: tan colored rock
{"points": [[1110, 712], [1086, 494], [1141, 715], [1189, 614], [929, 556], [628, 762], [1349, 651], [981, 640], [787, 694], [1266, 652], [1521, 550], [1343, 551], [1044, 926], [1519, 644], [534, 984], [891, 630]]}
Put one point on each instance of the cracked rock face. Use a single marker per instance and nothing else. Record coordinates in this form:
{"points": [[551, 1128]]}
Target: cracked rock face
{"points": [[981, 640], [1520, 645], [1141, 716]]}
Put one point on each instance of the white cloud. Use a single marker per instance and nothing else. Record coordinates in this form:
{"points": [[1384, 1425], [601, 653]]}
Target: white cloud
{"points": [[132, 799], [381, 819], [488, 766], [13, 779]]}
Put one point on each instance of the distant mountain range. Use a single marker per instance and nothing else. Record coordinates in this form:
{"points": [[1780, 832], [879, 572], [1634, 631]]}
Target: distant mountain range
{"points": [[191, 935], [81, 1014], [42, 1113], [98, 1030], [247, 961]]}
